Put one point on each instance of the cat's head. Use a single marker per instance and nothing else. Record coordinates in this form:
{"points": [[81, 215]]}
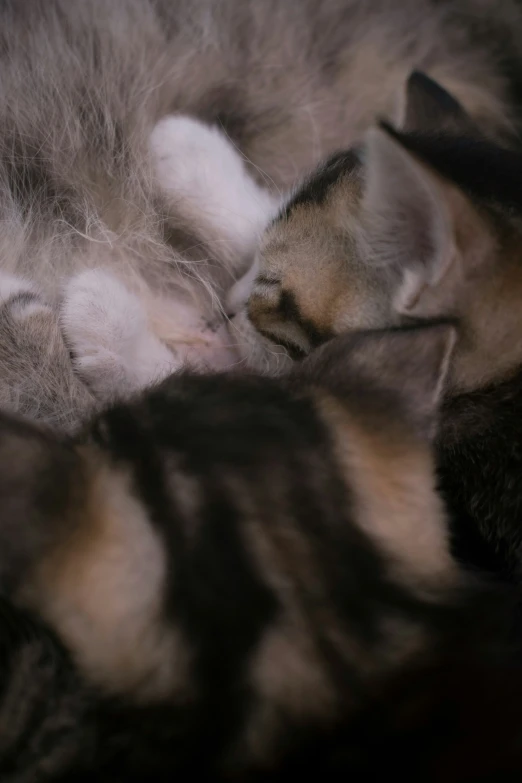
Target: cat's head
{"points": [[253, 558], [248, 482], [416, 224], [298, 633]]}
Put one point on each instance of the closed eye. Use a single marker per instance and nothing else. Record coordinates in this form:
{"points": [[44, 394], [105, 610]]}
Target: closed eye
{"points": [[294, 350], [275, 313], [274, 321], [266, 280]]}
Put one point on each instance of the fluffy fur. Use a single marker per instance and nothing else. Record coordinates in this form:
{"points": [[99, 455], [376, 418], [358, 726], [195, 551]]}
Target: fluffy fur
{"points": [[421, 223], [453, 716], [418, 224], [250, 615], [93, 174], [248, 595]]}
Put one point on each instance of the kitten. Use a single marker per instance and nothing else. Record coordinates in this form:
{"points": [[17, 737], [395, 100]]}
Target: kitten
{"points": [[248, 558], [349, 251], [56, 727], [96, 175], [418, 224], [251, 580], [455, 719], [423, 223]]}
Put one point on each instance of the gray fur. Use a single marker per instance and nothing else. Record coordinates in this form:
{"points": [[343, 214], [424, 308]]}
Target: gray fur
{"points": [[84, 82]]}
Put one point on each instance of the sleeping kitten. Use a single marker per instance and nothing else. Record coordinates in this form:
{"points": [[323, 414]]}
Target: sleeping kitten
{"points": [[94, 175], [247, 558], [453, 716], [421, 223], [417, 224], [251, 578], [356, 249]]}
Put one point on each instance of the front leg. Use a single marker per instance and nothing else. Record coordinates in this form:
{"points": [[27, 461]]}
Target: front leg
{"points": [[207, 185]]}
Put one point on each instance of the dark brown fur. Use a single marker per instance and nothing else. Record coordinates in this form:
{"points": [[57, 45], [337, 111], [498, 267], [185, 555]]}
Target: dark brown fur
{"points": [[237, 558]]}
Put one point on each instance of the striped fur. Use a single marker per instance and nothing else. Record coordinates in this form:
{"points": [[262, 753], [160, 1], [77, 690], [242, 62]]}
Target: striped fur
{"points": [[420, 223], [245, 579], [255, 556]]}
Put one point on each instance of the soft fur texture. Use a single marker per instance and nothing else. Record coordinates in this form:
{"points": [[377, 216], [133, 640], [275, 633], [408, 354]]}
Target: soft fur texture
{"points": [[420, 223], [94, 174], [292, 608], [417, 224], [452, 717], [247, 615], [256, 600]]}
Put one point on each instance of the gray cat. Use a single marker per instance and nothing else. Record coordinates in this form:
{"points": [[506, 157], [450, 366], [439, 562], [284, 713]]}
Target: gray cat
{"points": [[120, 229]]}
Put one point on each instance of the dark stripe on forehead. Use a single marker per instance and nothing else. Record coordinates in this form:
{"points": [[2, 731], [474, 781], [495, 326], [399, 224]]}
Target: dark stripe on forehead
{"points": [[290, 311], [315, 190]]}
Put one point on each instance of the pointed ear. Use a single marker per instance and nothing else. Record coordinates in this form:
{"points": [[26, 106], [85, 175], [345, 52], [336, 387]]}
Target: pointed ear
{"points": [[409, 365], [430, 108], [407, 217]]}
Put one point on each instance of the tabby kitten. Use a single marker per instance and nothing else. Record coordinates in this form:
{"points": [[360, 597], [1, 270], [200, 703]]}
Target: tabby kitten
{"points": [[246, 559], [451, 716], [420, 223], [251, 581], [97, 179]]}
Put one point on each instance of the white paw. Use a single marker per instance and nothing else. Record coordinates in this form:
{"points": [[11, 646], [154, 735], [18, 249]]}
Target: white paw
{"points": [[106, 328], [206, 179], [20, 296]]}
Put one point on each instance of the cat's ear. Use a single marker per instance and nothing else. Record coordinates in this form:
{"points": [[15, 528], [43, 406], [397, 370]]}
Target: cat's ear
{"points": [[409, 365], [428, 107], [409, 220]]}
